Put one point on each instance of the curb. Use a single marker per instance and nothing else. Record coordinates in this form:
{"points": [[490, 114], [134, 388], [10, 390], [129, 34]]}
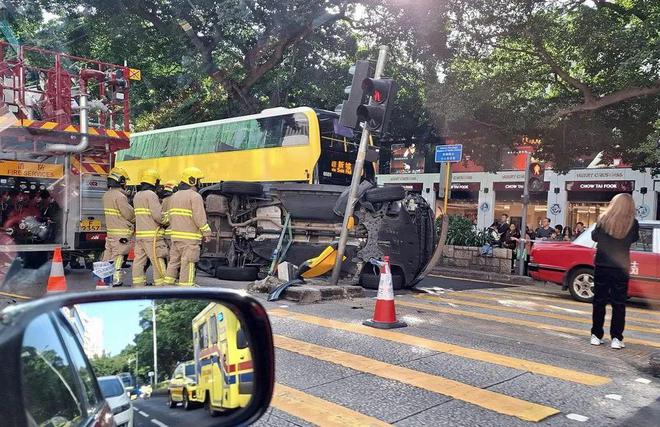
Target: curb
{"points": [[484, 275], [312, 291]]}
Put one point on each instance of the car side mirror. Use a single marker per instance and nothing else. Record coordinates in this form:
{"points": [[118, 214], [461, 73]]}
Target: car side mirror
{"points": [[39, 339]]}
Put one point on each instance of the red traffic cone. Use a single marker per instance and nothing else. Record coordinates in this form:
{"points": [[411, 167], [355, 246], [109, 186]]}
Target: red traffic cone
{"points": [[56, 281], [384, 313]]}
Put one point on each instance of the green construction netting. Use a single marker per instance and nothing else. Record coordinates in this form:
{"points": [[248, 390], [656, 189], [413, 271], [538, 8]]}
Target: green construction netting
{"points": [[232, 136]]}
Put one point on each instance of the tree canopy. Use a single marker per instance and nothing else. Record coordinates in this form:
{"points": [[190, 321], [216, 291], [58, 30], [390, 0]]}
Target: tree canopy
{"points": [[581, 76]]}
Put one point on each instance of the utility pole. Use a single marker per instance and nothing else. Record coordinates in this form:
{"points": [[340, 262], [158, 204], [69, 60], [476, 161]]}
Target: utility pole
{"points": [[523, 223], [355, 180], [153, 322]]}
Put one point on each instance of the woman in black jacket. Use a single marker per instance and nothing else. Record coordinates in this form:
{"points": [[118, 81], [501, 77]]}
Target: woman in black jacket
{"points": [[616, 230]]}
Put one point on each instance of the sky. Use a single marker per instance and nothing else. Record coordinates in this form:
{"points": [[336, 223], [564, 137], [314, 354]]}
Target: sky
{"points": [[121, 321]]}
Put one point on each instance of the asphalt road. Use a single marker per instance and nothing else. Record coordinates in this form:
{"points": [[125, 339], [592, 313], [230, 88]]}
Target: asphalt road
{"points": [[473, 354]]}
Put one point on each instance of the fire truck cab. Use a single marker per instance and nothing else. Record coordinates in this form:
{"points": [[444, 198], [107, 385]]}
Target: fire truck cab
{"points": [[61, 120]]}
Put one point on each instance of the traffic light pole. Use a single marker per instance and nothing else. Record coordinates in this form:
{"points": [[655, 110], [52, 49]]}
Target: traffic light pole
{"points": [[355, 180], [523, 224]]}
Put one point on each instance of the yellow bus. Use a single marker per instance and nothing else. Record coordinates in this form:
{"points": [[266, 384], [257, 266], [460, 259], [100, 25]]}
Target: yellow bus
{"points": [[276, 145], [222, 359]]}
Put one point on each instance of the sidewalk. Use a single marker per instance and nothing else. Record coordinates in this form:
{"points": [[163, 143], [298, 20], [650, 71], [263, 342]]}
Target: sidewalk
{"points": [[486, 276]]}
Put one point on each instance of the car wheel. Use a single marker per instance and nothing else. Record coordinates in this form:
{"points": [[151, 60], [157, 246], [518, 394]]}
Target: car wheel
{"points": [[171, 403], [208, 408], [186, 403], [581, 284], [242, 274], [385, 194], [371, 281], [241, 188]]}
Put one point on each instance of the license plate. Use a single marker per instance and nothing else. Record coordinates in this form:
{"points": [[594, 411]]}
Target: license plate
{"points": [[90, 225]]}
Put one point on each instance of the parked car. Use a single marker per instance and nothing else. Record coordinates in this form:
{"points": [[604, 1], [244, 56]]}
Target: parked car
{"points": [[112, 389], [571, 264], [183, 386]]}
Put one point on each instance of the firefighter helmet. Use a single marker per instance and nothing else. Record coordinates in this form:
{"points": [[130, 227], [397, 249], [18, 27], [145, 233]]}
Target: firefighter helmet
{"points": [[192, 176], [150, 176], [118, 176], [169, 188]]}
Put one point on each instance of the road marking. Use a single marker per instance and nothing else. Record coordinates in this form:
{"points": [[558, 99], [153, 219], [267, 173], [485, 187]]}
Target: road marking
{"points": [[643, 381], [10, 295], [516, 322], [158, 423], [511, 285], [501, 297], [468, 353], [577, 417], [318, 411], [521, 310], [491, 400], [544, 296], [613, 396], [144, 414]]}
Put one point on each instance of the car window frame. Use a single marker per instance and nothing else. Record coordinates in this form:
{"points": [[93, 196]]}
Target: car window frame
{"points": [[64, 323], [644, 228], [76, 382]]}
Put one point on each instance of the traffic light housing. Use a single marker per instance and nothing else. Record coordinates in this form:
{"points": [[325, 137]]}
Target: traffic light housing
{"points": [[377, 112], [356, 96], [536, 175]]}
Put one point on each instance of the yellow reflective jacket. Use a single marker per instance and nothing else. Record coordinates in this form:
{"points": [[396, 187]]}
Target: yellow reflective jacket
{"points": [[119, 214], [148, 215], [187, 216]]}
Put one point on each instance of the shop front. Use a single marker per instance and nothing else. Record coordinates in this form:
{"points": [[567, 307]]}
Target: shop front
{"points": [[588, 199], [508, 200], [463, 200]]}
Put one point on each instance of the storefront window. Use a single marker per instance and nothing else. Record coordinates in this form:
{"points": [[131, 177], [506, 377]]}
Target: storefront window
{"points": [[536, 211], [586, 213]]}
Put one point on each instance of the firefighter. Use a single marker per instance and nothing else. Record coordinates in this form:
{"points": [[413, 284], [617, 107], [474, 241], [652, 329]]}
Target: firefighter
{"points": [[187, 228], [119, 219], [149, 235], [166, 195]]}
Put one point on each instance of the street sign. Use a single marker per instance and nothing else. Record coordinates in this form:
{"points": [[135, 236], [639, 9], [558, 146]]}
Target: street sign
{"points": [[448, 153]]}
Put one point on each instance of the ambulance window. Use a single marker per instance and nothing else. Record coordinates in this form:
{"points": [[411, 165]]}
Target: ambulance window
{"points": [[213, 330], [203, 336]]}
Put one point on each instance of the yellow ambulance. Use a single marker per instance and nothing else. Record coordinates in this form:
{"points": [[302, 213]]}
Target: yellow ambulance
{"points": [[222, 359]]}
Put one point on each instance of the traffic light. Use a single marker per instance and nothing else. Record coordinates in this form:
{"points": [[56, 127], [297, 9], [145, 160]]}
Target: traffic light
{"points": [[536, 173], [376, 113], [348, 116]]}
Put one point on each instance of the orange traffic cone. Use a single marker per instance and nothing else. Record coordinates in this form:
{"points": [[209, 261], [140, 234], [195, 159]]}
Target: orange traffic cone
{"points": [[384, 313], [56, 281]]}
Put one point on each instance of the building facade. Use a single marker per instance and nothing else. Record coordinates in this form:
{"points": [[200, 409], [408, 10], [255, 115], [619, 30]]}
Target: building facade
{"points": [[579, 195]]}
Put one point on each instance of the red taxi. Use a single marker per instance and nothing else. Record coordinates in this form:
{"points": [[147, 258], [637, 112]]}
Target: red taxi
{"points": [[571, 264]]}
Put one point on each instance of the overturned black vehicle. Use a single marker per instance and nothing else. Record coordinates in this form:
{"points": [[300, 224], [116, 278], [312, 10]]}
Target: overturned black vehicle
{"points": [[256, 223]]}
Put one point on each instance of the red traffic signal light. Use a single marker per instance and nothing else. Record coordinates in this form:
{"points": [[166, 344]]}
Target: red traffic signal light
{"points": [[376, 113]]}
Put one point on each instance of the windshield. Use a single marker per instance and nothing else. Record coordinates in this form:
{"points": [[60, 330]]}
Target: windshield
{"points": [[584, 239], [190, 370], [111, 387]]}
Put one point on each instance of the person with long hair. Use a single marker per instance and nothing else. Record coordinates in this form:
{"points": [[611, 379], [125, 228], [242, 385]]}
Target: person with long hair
{"points": [[616, 230]]}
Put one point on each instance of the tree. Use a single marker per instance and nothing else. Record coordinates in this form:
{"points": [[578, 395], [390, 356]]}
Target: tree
{"points": [[580, 76]]}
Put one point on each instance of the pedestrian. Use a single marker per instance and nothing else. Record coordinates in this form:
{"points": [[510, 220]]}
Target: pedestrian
{"points": [[149, 235], [559, 232], [579, 229], [188, 226], [616, 230], [511, 239], [567, 234], [545, 231], [119, 219]]}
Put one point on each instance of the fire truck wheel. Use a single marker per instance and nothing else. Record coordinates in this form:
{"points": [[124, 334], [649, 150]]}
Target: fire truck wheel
{"points": [[385, 194], [241, 188]]}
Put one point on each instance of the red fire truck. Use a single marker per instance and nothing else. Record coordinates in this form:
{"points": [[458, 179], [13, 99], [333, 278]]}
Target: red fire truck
{"points": [[62, 118]]}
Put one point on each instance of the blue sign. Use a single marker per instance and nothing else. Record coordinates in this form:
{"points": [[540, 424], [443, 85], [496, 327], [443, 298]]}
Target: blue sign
{"points": [[448, 153]]}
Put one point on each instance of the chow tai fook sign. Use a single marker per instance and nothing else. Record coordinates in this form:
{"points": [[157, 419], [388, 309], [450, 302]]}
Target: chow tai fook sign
{"points": [[614, 186], [515, 186], [472, 187]]}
